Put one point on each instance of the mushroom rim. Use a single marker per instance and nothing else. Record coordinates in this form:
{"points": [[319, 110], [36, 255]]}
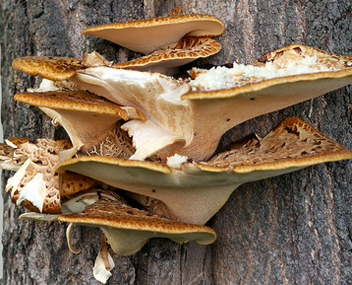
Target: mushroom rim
{"points": [[171, 227], [264, 58], [149, 165], [157, 22], [300, 162], [265, 84], [194, 166], [43, 101]]}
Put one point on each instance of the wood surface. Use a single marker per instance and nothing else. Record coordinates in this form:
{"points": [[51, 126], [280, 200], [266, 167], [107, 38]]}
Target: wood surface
{"points": [[292, 229]]}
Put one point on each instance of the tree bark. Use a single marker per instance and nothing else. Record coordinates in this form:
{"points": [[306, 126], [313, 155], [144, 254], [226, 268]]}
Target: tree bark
{"points": [[292, 229]]}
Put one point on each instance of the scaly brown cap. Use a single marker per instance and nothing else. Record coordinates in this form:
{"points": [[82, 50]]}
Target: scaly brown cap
{"points": [[187, 50], [128, 229], [49, 67], [72, 100]]}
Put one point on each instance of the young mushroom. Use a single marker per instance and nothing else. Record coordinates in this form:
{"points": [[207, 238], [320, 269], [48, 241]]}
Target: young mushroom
{"points": [[195, 191]]}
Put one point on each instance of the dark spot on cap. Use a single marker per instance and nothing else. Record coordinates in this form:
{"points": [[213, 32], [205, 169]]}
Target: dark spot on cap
{"points": [[298, 50]]}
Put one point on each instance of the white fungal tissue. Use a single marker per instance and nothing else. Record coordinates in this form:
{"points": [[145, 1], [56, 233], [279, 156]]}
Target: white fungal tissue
{"points": [[223, 78]]}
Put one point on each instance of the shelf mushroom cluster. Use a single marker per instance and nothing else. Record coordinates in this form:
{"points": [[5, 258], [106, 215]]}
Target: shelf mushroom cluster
{"points": [[139, 135]]}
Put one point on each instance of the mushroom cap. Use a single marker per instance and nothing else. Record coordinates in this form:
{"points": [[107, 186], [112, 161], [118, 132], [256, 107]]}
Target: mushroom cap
{"points": [[149, 35], [72, 100], [283, 57], [293, 143], [197, 112], [6, 152], [87, 118], [50, 67], [187, 50], [36, 185], [128, 229], [196, 190], [328, 66], [57, 68], [16, 141]]}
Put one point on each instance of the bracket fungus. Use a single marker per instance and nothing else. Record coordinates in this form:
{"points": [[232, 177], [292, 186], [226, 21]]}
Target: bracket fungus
{"points": [[87, 118], [127, 229], [167, 42], [180, 113], [145, 136], [195, 191], [149, 35]]}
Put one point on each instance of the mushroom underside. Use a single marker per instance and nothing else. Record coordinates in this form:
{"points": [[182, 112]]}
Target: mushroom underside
{"points": [[185, 112], [195, 191], [127, 228]]}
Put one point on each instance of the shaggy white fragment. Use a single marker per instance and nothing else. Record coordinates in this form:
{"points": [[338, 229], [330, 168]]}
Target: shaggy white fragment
{"points": [[103, 264], [45, 85], [176, 161], [34, 192], [144, 134]]}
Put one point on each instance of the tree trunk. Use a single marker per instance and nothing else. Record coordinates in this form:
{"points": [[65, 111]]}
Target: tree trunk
{"points": [[292, 229]]}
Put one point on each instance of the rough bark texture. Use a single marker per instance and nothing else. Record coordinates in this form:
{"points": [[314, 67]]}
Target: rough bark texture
{"points": [[293, 229]]}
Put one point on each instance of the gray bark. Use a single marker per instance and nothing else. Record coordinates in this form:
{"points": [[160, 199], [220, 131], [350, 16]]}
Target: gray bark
{"points": [[293, 229]]}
